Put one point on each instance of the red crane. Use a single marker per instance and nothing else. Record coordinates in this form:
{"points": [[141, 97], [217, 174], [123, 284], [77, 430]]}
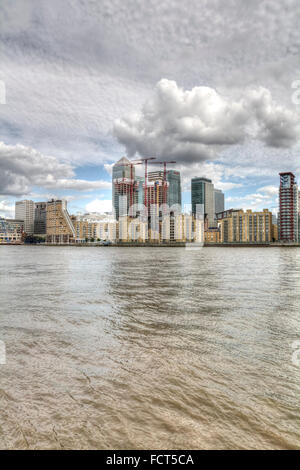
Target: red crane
{"points": [[131, 164], [145, 160], [164, 179]]}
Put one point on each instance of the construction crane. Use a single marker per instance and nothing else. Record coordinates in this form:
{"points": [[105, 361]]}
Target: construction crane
{"points": [[131, 164], [145, 160], [164, 178]]}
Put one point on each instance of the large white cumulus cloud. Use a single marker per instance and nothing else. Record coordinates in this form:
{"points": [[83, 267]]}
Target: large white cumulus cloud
{"points": [[193, 125]]}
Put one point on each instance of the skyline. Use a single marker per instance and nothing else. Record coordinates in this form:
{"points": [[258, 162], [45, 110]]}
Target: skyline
{"points": [[80, 97], [186, 204]]}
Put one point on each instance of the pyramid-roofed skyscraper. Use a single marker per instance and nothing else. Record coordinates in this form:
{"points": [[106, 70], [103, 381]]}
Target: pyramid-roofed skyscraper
{"points": [[122, 184]]}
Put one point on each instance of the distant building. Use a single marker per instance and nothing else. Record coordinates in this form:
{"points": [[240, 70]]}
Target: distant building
{"points": [[107, 231], [11, 230], [202, 194], [275, 235], [170, 229], [85, 230], [40, 218], [227, 213], [155, 191], [288, 208], [187, 229], [128, 188], [139, 190], [122, 186], [60, 228], [137, 230], [246, 227], [173, 185], [174, 189], [212, 235], [95, 217], [219, 201], [24, 210]]}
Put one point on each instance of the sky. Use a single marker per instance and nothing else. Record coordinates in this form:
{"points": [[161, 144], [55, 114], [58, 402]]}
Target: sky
{"points": [[213, 85]]}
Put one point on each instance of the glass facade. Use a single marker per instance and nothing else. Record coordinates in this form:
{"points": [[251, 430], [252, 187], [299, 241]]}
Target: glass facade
{"points": [[202, 194], [198, 192], [219, 201], [174, 189], [121, 174]]}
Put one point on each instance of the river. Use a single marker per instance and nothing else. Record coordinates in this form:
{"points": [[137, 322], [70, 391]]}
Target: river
{"points": [[149, 348]]}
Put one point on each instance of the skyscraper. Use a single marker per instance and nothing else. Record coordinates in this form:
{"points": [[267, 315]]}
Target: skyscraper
{"points": [[288, 208], [24, 210], [219, 201], [174, 185], [174, 189], [40, 217], [203, 194], [139, 190], [122, 185]]}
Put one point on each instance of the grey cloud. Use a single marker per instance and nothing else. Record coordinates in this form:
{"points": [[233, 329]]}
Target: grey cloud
{"points": [[73, 67], [76, 184], [24, 167], [278, 125]]}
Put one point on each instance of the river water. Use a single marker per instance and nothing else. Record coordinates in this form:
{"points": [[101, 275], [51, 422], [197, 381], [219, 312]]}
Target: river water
{"points": [[149, 348]]}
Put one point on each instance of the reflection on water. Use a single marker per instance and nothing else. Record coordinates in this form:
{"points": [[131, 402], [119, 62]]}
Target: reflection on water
{"points": [[160, 348]]}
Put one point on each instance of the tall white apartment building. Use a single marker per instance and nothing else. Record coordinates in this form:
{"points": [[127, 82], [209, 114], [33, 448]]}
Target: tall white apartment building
{"points": [[107, 230], [24, 210]]}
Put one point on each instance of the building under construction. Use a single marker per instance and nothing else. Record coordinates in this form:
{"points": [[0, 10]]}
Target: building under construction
{"points": [[154, 189], [170, 185], [124, 187]]}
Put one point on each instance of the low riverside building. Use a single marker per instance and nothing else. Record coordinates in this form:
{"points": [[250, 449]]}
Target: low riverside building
{"points": [[60, 228], [85, 230], [11, 231], [212, 235], [237, 226], [131, 230], [187, 228], [137, 230], [167, 229], [107, 231], [94, 227]]}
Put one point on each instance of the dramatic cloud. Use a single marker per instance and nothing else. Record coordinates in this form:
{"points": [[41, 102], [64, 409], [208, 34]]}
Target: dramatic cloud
{"points": [[67, 80], [72, 68], [23, 167], [193, 125]]}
